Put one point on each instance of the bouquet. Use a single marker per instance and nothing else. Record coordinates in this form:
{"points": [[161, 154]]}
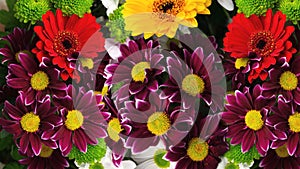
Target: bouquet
{"points": [[155, 84]]}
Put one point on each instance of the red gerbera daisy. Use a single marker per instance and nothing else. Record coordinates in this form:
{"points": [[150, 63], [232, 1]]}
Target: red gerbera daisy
{"points": [[62, 38], [262, 39]]}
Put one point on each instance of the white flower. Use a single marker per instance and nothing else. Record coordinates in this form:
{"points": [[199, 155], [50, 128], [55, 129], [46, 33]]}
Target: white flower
{"points": [[82, 166], [227, 4], [224, 162], [113, 48], [111, 5], [107, 163]]}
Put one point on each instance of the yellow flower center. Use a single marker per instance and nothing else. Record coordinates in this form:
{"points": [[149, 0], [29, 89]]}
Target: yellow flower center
{"points": [[193, 84], [172, 7], [87, 62], [30, 122], [113, 129], [288, 81], [294, 122], [74, 120], [39, 80], [46, 151], [158, 123], [282, 151], [241, 62], [253, 120], [197, 149], [138, 71]]}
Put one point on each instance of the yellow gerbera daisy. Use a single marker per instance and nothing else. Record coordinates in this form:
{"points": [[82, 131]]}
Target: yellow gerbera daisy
{"points": [[162, 17]]}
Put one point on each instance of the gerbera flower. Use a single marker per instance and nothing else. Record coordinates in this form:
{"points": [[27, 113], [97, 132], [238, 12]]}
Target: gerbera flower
{"points": [[83, 122], [286, 120], [284, 80], [62, 38], [28, 123], [34, 81], [162, 16], [280, 158], [263, 40], [194, 78], [160, 122], [201, 148], [245, 115], [48, 158], [20, 41], [138, 68]]}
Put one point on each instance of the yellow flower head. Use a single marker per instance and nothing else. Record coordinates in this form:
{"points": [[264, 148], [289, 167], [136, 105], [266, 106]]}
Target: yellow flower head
{"points": [[162, 17]]}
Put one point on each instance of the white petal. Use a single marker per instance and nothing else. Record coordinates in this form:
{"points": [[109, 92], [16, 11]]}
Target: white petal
{"points": [[246, 166], [227, 4], [82, 166], [113, 48], [1, 165], [128, 164], [184, 29], [111, 5], [223, 163], [149, 164]]}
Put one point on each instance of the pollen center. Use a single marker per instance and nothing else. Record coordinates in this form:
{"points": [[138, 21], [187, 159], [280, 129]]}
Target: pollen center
{"points": [[74, 120], [87, 62], [158, 123], [288, 81], [197, 149], [193, 84], [172, 7], [294, 122], [241, 62], [158, 159], [282, 151], [253, 120], [138, 73], [39, 80], [46, 151], [66, 43], [113, 129], [30, 122], [262, 43]]}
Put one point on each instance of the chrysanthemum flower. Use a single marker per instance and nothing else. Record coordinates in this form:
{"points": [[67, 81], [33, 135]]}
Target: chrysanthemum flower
{"points": [[69, 7], [62, 38], [280, 158], [245, 115], [83, 121], [20, 41], [291, 8], [34, 81], [138, 68], [48, 158], [235, 71], [258, 7], [286, 120], [263, 40], [200, 149], [29, 123], [163, 16]]}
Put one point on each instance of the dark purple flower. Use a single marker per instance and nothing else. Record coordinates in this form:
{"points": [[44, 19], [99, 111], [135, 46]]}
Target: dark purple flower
{"points": [[235, 71]]}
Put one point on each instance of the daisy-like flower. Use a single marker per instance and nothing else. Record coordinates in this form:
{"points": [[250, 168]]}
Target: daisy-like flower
{"points": [[82, 120], [138, 68], [20, 41], [160, 122], [286, 120], [245, 115], [280, 158], [29, 123], [284, 80], [194, 78], [62, 38], [200, 149], [48, 158], [34, 81], [162, 16], [263, 40], [235, 71]]}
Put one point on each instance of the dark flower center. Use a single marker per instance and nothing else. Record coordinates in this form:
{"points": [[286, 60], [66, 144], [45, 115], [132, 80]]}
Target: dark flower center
{"points": [[262, 43], [172, 7], [166, 7], [66, 43]]}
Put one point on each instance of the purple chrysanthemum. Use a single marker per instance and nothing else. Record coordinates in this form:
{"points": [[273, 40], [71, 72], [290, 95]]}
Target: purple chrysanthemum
{"points": [[235, 71]]}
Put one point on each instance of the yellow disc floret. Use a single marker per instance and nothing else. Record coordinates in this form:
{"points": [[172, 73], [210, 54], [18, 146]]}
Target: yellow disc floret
{"points": [[282, 151], [30, 122], [39, 80], [197, 149], [74, 120], [253, 120], [241, 62], [87, 62], [138, 73], [46, 151], [288, 81], [158, 123], [294, 122], [193, 84], [113, 129]]}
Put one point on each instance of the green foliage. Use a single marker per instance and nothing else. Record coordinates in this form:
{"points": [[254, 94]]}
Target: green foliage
{"points": [[258, 7], [13, 165], [291, 8], [69, 7], [7, 17]]}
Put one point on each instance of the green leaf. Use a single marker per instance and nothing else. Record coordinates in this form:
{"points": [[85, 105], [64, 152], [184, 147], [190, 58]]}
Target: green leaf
{"points": [[13, 165], [15, 154], [5, 142], [7, 17]]}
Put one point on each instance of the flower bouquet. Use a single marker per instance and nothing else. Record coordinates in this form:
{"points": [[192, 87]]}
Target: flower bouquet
{"points": [[155, 84]]}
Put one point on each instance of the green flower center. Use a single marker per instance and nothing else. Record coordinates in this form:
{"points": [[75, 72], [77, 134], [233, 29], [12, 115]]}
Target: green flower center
{"points": [[138, 71], [30, 122], [197, 149], [241, 62], [282, 151], [288, 81], [158, 159], [193, 84], [114, 128], [87, 62], [39, 80], [253, 120], [294, 122], [158, 123], [74, 120], [231, 166], [46, 151]]}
